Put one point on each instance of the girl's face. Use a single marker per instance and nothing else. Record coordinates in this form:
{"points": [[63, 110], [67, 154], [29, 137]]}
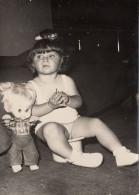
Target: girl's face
{"points": [[47, 63]]}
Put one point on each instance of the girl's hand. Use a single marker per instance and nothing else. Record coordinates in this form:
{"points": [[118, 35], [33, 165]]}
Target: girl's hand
{"points": [[64, 98], [57, 100]]}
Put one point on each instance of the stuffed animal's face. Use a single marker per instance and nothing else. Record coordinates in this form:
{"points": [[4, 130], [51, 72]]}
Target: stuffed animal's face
{"points": [[18, 99], [20, 107]]}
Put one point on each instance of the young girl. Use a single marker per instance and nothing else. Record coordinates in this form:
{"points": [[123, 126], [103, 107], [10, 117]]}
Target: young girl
{"points": [[56, 104]]}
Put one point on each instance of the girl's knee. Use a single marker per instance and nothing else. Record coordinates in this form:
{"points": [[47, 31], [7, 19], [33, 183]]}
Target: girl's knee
{"points": [[52, 130], [96, 121], [96, 125]]}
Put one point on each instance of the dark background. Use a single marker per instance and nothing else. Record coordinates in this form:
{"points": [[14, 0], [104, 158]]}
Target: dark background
{"points": [[101, 20], [20, 20]]}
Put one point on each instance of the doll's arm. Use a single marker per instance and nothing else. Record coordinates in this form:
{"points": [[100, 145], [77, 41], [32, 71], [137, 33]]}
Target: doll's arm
{"points": [[8, 122]]}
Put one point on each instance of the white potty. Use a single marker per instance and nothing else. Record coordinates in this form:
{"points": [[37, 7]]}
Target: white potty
{"points": [[75, 144]]}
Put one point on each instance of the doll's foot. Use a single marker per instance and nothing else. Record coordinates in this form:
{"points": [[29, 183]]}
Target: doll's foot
{"points": [[124, 157], [16, 168], [86, 159], [34, 167]]}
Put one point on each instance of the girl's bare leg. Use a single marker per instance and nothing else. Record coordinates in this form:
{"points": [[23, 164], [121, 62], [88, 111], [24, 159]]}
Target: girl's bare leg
{"points": [[57, 136], [90, 127]]}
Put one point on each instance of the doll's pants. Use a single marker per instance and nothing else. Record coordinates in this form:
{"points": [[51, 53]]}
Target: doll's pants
{"points": [[23, 145], [5, 140]]}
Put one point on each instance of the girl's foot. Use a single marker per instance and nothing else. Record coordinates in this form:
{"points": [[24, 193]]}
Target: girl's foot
{"points": [[16, 168], [124, 157], [86, 159], [34, 167]]}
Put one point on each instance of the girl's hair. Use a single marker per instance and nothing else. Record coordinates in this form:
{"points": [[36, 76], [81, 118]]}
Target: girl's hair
{"points": [[48, 45], [47, 34]]}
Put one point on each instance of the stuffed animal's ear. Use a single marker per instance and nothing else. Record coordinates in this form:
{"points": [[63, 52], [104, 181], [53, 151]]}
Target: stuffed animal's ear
{"points": [[5, 91], [7, 106], [4, 87]]}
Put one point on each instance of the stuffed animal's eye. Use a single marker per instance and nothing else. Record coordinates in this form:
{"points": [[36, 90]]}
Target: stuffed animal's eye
{"points": [[27, 110], [19, 110]]}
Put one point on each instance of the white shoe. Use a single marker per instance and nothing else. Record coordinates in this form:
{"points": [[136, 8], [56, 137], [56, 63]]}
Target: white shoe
{"points": [[86, 159], [124, 157], [16, 168], [34, 167]]}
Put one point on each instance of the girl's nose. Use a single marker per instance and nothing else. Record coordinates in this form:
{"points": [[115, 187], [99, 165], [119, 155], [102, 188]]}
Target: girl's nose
{"points": [[45, 58]]}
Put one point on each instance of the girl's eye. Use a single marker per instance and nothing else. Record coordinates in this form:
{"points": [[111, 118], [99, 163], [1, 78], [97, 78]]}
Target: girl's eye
{"points": [[27, 110], [19, 110], [39, 56], [51, 56]]}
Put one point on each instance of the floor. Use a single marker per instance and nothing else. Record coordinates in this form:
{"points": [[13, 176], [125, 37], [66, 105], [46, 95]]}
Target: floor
{"points": [[65, 179]]}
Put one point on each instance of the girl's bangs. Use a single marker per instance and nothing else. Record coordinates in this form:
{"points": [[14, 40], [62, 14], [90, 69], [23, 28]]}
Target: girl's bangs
{"points": [[47, 49]]}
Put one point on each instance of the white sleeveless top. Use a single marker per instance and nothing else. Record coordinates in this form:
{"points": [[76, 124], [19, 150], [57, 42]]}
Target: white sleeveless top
{"points": [[61, 115]]}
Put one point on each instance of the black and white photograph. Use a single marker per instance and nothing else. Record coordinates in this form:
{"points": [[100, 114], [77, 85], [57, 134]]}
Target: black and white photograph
{"points": [[69, 97]]}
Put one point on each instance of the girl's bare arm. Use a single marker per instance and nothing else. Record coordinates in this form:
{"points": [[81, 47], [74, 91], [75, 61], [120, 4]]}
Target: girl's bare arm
{"points": [[75, 100], [41, 109]]}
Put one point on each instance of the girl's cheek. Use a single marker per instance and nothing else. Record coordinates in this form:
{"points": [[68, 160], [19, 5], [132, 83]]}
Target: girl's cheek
{"points": [[35, 64]]}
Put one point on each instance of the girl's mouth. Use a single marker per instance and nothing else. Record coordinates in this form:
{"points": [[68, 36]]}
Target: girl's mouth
{"points": [[45, 66]]}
